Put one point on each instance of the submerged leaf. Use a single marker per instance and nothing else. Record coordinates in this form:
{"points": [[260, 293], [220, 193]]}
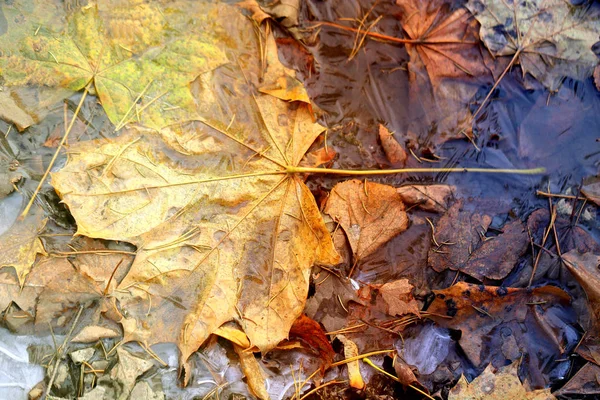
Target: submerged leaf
{"points": [[370, 213], [551, 38], [503, 384], [20, 246], [145, 72]]}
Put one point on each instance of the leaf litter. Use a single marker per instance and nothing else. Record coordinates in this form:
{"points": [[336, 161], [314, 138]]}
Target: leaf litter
{"points": [[207, 180]]}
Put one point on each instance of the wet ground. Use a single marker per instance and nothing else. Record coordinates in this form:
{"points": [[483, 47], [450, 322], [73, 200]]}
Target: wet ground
{"points": [[522, 125]]}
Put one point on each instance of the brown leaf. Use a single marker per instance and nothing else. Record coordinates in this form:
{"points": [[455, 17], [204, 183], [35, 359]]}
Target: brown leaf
{"points": [[477, 309], [310, 333], [503, 384], [585, 269], [370, 214], [460, 236], [445, 65], [432, 198], [585, 382], [398, 297], [224, 231], [592, 190], [318, 157], [394, 151], [447, 37], [404, 373], [20, 245]]}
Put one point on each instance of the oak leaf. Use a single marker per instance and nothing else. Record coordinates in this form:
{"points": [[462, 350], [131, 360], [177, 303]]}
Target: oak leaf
{"points": [[550, 39]]}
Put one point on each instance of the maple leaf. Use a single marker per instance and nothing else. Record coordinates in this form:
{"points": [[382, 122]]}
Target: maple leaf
{"points": [[225, 229], [550, 39], [150, 78], [444, 40]]}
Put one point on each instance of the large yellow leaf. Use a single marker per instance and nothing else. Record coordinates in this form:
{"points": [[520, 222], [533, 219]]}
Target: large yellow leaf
{"points": [[225, 230]]}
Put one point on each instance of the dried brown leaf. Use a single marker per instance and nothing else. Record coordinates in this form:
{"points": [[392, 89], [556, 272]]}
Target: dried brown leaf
{"points": [[370, 214]]}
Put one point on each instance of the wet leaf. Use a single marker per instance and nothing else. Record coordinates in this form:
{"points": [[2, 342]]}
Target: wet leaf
{"points": [[398, 297], [223, 231], [445, 68], [351, 350], [447, 41], [21, 244], [253, 371], [477, 310], [310, 333], [584, 268], [434, 198], [370, 214], [284, 84], [550, 39], [460, 244], [501, 385], [150, 78], [586, 381], [394, 151], [591, 190]]}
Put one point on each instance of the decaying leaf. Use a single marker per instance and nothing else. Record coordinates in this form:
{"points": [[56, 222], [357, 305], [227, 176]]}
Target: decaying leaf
{"points": [[446, 65], [584, 268], [550, 39], [503, 384], [394, 151], [477, 310], [404, 373], [137, 72], [370, 214], [398, 297], [434, 198], [310, 333], [253, 371], [21, 244], [586, 381], [224, 230], [446, 40], [461, 244], [351, 350], [591, 190], [284, 86]]}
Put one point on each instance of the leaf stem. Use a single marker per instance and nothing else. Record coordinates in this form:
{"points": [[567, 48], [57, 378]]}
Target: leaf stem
{"points": [[292, 169], [56, 153]]}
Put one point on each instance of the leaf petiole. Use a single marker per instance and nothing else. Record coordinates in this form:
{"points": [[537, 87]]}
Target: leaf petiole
{"points": [[293, 169]]}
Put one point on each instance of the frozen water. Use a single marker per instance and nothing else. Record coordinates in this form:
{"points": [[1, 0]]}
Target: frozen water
{"points": [[426, 350]]}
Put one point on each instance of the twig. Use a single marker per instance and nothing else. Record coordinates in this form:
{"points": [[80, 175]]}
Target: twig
{"points": [[56, 153], [61, 352]]}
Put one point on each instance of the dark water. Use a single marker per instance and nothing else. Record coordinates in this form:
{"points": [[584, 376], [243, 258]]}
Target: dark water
{"points": [[517, 128]]}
